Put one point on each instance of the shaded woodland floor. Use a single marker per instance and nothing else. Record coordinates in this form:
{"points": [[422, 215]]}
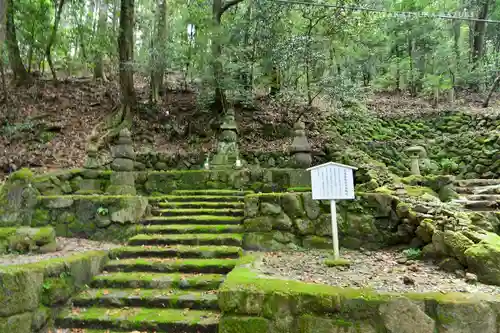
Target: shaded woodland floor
{"points": [[46, 126]]}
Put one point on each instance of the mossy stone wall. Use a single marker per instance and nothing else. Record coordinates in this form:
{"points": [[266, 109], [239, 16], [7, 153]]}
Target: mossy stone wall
{"points": [[31, 294], [87, 182], [87, 216], [462, 144], [275, 221], [252, 303]]}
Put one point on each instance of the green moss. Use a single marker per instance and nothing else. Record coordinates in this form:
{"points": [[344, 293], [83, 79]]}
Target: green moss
{"points": [[242, 324], [40, 217], [173, 265], [188, 229], [181, 251], [337, 262], [145, 319], [57, 290], [158, 280], [417, 191], [24, 174]]}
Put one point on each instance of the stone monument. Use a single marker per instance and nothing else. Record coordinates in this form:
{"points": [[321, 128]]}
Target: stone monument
{"points": [[227, 152], [300, 148], [122, 180], [89, 182]]}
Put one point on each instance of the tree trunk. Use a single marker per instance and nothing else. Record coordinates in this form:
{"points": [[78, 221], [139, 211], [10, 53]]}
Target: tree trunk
{"points": [[159, 52], [3, 12], [126, 53], [101, 31], [493, 87], [16, 63], [479, 33], [53, 35], [218, 9]]}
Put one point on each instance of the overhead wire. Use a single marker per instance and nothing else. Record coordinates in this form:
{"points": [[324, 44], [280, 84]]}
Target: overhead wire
{"points": [[395, 13]]}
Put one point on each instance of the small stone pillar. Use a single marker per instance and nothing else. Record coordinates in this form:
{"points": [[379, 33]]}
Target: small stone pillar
{"points": [[300, 148], [227, 146], [122, 180], [90, 182], [416, 152]]}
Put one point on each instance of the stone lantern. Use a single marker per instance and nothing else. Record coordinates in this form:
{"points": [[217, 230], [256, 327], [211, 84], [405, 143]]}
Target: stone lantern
{"points": [[300, 148], [416, 152]]}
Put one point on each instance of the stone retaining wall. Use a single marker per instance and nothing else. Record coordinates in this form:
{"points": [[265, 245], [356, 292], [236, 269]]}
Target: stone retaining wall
{"points": [[30, 294], [278, 221], [98, 217], [250, 304]]}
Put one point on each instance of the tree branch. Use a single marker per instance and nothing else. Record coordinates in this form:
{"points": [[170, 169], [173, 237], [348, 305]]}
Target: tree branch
{"points": [[229, 4]]}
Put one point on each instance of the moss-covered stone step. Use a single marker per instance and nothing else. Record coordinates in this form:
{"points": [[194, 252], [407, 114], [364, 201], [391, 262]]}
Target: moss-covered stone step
{"points": [[140, 319], [212, 192], [158, 280], [191, 229], [197, 198], [483, 205], [201, 204], [187, 239], [180, 251], [195, 219], [494, 189], [84, 330], [484, 197], [149, 298], [215, 266], [199, 211], [476, 182]]}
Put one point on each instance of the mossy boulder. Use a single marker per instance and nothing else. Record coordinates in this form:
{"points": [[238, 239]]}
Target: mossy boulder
{"points": [[20, 323], [27, 239], [315, 324], [425, 230], [404, 316], [260, 223], [311, 207], [483, 259], [304, 226], [317, 242], [456, 244], [267, 208], [292, 205], [129, 210], [243, 324]]}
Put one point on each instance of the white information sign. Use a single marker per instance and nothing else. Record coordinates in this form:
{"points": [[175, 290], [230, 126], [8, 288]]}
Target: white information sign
{"points": [[333, 181]]}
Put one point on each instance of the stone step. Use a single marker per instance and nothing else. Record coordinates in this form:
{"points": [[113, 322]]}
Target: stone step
{"points": [[476, 182], [197, 198], [493, 189], [157, 280], [194, 219], [148, 298], [479, 205], [187, 239], [140, 319], [212, 192], [190, 229], [198, 211], [202, 204], [179, 251], [82, 330], [167, 265], [483, 197]]}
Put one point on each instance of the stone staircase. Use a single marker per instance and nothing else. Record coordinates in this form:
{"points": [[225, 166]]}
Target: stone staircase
{"points": [[166, 278], [481, 195]]}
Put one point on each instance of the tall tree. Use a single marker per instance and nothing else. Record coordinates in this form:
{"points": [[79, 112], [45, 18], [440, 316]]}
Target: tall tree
{"points": [[126, 55], [101, 31], [158, 51], [16, 63], [58, 7], [219, 7]]}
